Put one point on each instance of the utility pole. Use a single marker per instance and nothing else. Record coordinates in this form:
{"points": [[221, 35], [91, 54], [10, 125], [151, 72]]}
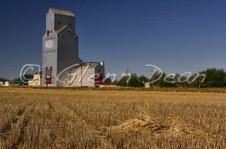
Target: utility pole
{"points": [[127, 71]]}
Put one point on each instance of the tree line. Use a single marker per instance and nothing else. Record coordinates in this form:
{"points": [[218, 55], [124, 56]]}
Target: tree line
{"points": [[209, 78]]}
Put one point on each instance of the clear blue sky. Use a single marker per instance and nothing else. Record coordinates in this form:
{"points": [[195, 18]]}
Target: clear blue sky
{"points": [[175, 35]]}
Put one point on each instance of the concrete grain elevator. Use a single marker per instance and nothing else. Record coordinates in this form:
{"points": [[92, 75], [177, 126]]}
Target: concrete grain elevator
{"points": [[61, 65]]}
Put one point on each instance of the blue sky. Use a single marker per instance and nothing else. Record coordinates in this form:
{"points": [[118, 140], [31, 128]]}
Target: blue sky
{"points": [[177, 36]]}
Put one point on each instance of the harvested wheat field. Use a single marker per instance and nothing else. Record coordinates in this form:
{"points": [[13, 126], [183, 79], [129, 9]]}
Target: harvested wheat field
{"points": [[59, 118]]}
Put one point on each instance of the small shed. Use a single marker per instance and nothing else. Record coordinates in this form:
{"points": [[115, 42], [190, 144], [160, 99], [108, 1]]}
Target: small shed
{"points": [[6, 83]]}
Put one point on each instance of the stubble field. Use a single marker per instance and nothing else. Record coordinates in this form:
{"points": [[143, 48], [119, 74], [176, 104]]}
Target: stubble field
{"points": [[58, 118]]}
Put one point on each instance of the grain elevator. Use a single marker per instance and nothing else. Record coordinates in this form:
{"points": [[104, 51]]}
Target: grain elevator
{"points": [[61, 65]]}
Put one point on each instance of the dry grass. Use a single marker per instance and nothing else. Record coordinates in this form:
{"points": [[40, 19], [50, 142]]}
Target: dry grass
{"points": [[111, 119]]}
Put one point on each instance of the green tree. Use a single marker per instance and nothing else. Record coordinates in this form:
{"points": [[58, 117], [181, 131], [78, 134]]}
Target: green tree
{"points": [[160, 82], [134, 81], [123, 81], [107, 80], [142, 80], [214, 78], [3, 79], [23, 80]]}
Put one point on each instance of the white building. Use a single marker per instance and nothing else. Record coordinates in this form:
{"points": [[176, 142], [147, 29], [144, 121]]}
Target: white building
{"points": [[36, 81], [60, 49], [6, 83], [84, 74]]}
